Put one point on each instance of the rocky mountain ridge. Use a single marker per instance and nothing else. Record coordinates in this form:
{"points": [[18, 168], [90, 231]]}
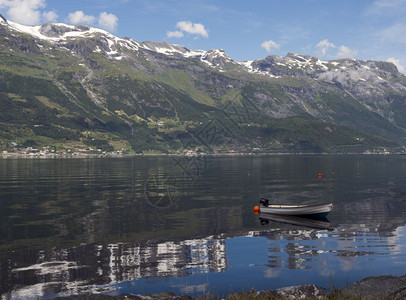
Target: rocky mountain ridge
{"points": [[102, 80], [272, 65]]}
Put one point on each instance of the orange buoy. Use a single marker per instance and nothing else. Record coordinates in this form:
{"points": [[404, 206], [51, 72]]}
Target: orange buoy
{"points": [[256, 209], [320, 175]]}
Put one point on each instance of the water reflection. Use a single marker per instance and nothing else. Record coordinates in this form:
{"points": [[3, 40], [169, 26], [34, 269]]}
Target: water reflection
{"points": [[139, 225], [317, 223], [90, 268], [102, 268]]}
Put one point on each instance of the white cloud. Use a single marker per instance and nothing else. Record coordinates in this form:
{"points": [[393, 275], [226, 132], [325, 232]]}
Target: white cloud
{"points": [[174, 34], [395, 33], [345, 52], [78, 17], [389, 3], [323, 46], [108, 21], [50, 16], [23, 11], [397, 63], [381, 7], [270, 45], [193, 28]]}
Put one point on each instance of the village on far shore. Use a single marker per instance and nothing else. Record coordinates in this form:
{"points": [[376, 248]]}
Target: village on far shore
{"points": [[77, 151], [53, 151]]}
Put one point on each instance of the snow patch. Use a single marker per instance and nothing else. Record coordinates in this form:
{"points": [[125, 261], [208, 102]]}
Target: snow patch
{"points": [[167, 51], [73, 33], [112, 47], [194, 53], [31, 30], [129, 44], [207, 62], [247, 64], [146, 47], [322, 64]]}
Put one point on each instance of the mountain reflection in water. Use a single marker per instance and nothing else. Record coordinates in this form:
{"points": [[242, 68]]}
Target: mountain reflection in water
{"points": [[79, 226]]}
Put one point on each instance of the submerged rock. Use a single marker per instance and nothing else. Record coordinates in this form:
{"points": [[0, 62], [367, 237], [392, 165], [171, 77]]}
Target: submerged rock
{"points": [[309, 291], [381, 287]]}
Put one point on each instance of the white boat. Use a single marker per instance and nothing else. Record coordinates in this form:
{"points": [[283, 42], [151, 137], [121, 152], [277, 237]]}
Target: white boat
{"points": [[319, 210]]}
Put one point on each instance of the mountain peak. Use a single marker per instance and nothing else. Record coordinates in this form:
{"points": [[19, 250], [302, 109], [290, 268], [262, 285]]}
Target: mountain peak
{"points": [[164, 47], [273, 65], [3, 19], [55, 30]]}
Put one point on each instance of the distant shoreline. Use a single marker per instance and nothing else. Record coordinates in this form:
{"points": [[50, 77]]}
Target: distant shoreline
{"points": [[96, 155]]}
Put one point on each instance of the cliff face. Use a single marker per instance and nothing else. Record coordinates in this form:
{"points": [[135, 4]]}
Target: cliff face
{"points": [[58, 81]]}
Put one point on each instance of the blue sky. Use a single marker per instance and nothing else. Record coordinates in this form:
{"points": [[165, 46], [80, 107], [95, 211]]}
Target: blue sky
{"points": [[328, 29]]}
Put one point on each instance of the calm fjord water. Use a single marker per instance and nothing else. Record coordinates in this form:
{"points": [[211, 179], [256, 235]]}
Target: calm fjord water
{"points": [[185, 224]]}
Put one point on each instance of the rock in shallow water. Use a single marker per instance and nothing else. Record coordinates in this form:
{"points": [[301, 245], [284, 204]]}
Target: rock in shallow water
{"points": [[308, 291], [390, 287]]}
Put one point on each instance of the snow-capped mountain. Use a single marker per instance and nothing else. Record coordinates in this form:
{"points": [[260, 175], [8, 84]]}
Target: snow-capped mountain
{"points": [[341, 71], [135, 82]]}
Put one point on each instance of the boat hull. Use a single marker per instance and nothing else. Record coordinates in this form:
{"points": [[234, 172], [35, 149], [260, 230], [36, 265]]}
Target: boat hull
{"points": [[319, 210]]}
